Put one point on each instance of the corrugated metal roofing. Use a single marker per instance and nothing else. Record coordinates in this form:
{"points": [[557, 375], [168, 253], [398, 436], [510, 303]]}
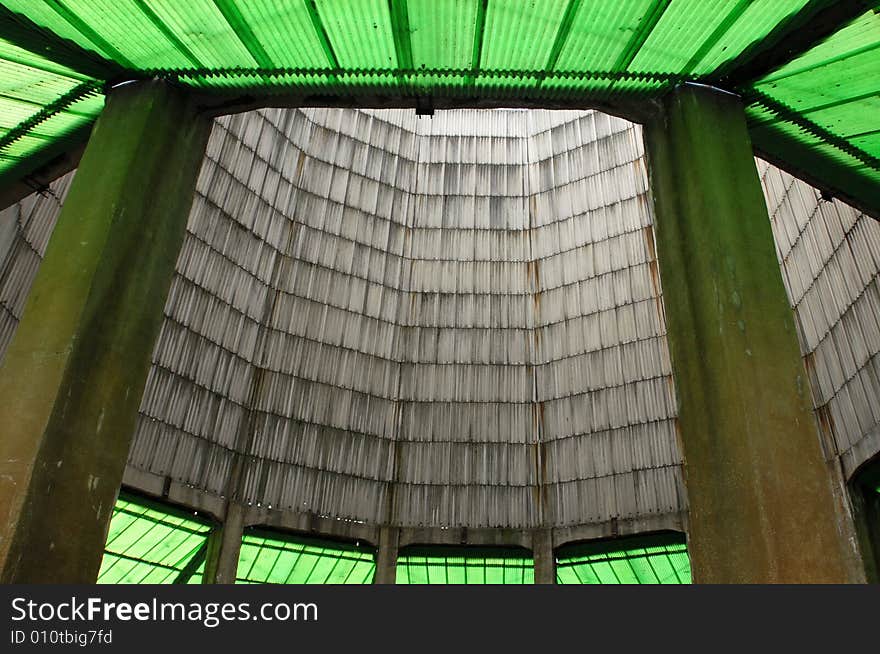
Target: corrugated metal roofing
{"points": [[818, 112]]}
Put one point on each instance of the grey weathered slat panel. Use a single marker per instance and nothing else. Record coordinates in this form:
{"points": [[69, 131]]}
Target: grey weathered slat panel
{"points": [[422, 322], [830, 259]]}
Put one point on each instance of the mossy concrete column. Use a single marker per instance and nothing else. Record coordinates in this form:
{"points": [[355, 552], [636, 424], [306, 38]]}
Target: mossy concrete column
{"points": [[545, 559], [224, 548], [386, 556], [74, 374], [762, 506]]}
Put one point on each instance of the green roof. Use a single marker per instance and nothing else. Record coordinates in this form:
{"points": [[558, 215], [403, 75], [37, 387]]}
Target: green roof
{"points": [[659, 559], [809, 70], [153, 544], [274, 558], [464, 565]]}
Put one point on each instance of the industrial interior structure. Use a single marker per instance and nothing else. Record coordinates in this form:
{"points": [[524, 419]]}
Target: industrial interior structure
{"points": [[439, 291]]}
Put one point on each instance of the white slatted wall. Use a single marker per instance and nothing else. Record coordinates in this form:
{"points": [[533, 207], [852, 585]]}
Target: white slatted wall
{"points": [[448, 321]]}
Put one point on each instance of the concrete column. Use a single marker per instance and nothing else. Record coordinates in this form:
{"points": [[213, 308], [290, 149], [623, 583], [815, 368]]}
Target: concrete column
{"points": [[221, 563], [762, 507], [73, 376], [386, 556], [545, 560]]}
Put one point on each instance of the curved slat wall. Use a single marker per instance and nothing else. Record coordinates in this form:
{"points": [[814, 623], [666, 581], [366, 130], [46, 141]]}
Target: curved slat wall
{"points": [[830, 258], [444, 322], [25, 229], [449, 321]]}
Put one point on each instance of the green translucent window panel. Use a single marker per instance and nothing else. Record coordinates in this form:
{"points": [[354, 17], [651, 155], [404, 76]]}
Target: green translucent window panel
{"points": [[859, 36], [787, 131], [272, 558], [600, 33], [869, 141], [465, 565], [442, 33], [697, 36], [644, 560], [274, 21], [519, 34], [202, 29], [125, 33], [152, 544], [46, 14], [756, 20], [360, 32], [855, 77], [689, 26], [47, 131], [849, 118], [12, 53]]}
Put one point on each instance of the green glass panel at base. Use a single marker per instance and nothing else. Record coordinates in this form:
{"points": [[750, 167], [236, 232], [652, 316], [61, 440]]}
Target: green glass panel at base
{"points": [[272, 558], [458, 565], [151, 544], [645, 560]]}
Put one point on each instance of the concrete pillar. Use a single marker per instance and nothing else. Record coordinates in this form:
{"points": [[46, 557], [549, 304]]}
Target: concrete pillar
{"points": [[73, 376], [545, 560], [221, 563], [762, 507], [386, 556]]}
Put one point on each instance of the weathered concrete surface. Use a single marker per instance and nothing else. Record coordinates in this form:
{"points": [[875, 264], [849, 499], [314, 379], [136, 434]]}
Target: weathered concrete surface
{"points": [[762, 506], [224, 547], [73, 377], [545, 560], [386, 556]]}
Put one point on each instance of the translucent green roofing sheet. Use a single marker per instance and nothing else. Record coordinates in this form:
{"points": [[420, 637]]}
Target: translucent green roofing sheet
{"points": [[823, 106], [828, 100], [464, 565], [652, 560], [149, 544], [270, 558], [40, 102]]}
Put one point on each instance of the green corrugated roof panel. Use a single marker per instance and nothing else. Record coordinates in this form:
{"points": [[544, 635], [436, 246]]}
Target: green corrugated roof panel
{"points": [[151, 544], [360, 32], [272, 23], [464, 565], [40, 102], [600, 33], [828, 100], [583, 51], [643, 560], [743, 24], [273, 558]]}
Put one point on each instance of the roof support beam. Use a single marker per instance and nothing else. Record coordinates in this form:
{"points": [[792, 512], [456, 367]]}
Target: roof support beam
{"points": [[245, 34], [400, 28], [832, 179], [479, 33], [169, 35], [722, 29], [562, 35], [321, 32], [27, 35], [647, 24], [792, 38], [83, 28]]}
